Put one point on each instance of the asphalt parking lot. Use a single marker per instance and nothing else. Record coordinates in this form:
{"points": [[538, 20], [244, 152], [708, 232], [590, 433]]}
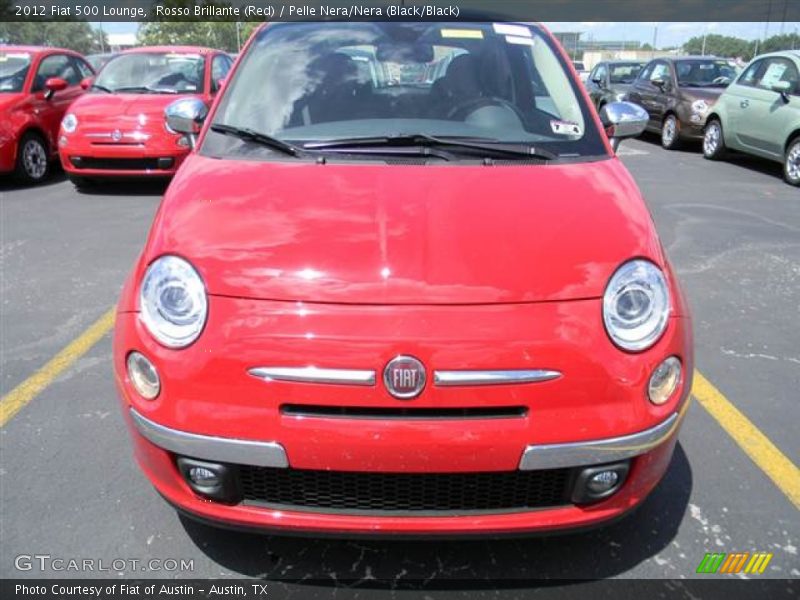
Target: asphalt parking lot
{"points": [[69, 487]]}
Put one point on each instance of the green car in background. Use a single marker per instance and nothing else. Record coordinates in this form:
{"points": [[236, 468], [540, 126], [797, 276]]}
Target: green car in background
{"points": [[759, 114]]}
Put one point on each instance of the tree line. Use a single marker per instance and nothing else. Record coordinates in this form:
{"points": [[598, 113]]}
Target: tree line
{"points": [[730, 46]]}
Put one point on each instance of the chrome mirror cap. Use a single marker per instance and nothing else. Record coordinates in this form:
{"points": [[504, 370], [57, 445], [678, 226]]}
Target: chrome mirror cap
{"points": [[186, 115], [623, 120]]}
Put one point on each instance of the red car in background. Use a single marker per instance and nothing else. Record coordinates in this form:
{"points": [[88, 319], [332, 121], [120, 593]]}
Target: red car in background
{"points": [[428, 307], [117, 130], [36, 86]]}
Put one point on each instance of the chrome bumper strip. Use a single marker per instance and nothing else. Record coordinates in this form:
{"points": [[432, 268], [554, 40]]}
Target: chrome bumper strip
{"points": [[496, 377], [597, 452], [315, 375], [229, 450]]}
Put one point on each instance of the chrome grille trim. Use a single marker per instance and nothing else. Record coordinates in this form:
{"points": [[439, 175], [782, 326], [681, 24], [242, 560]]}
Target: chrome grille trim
{"points": [[492, 377], [315, 375]]}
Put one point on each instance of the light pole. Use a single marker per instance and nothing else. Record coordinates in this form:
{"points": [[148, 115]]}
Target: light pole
{"points": [[655, 38], [102, 37]]}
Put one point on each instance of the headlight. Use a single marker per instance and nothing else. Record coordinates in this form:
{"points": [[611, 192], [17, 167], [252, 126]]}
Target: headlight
{"points": [[699, 106], [636, 305], [173, 302], [69, 123]]}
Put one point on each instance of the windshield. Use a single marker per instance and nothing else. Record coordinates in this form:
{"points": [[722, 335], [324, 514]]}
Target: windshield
{"points": [[322, 82], [704, 73], [624, 73], [153, 72], [13, 70]]}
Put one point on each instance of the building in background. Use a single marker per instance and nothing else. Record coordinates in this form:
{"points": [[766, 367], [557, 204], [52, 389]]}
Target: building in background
{"points": [[121, 41]]}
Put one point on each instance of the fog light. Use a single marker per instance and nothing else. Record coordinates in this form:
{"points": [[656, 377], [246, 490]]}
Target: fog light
{"points": [[664, 380], [596, 483], [62, 141], [602, 482], [143, 376], [203, 476], [216, 481]]}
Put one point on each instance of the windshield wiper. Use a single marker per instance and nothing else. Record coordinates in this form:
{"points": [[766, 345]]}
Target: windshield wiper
{"points": [[250, 135], [144, 88], [483, 145], [102, 88]]}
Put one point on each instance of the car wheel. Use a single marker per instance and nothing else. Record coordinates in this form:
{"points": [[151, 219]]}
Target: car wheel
{"points": [[713, 142], [791, 163], [33, 162], [669, 133]]}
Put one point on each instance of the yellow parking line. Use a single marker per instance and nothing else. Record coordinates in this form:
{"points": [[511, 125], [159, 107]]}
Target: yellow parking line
{"points": [[26, 391], [783, 472]]}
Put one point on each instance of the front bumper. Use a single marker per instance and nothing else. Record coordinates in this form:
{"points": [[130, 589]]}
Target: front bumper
{"points": [[157, 446], [211, 408], [535, 456], [149, 155]]}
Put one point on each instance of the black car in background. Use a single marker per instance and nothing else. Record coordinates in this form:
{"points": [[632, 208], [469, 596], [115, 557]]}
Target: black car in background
{"points": [[610, 80], [678, 94]]}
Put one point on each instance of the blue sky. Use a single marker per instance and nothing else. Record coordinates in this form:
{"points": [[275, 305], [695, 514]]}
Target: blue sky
{"points": [[669, 34]]}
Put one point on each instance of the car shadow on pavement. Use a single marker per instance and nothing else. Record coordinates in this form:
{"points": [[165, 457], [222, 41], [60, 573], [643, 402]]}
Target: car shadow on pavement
{"points": [[755, 164], [685, 147], [458, 564], [125, 187], [9, 183]]}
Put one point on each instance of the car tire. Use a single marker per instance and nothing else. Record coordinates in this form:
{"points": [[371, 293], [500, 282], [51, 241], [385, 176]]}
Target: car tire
{"points": [[713, 141], [791, 163], [670, 137], [33, 160]]}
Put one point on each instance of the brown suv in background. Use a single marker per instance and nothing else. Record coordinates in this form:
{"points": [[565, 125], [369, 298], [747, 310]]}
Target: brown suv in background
{"points": [[678, 94]]}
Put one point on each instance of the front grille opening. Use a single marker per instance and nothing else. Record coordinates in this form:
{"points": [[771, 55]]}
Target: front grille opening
{"points": [[380, 412], [404, 493], [121, 164]]}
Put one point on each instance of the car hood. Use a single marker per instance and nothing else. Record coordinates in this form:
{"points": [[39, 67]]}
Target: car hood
{"points": [[111, 108], [378, 234], [620, 88]]}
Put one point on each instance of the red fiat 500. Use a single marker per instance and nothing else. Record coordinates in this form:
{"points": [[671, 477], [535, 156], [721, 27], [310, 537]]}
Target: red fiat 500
{"points": [[118, 129], [36, 87], [404, 286]]}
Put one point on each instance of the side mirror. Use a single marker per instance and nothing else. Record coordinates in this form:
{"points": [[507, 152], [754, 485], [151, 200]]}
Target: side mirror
{"points": [[783, 88], [53, 85], [87, 83], [660, 83], [623, 120], [597, 81], [186, 116]]}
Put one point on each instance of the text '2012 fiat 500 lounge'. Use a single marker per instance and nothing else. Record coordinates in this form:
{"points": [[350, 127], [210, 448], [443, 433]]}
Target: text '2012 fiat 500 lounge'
{"points": [[376, 303]]}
